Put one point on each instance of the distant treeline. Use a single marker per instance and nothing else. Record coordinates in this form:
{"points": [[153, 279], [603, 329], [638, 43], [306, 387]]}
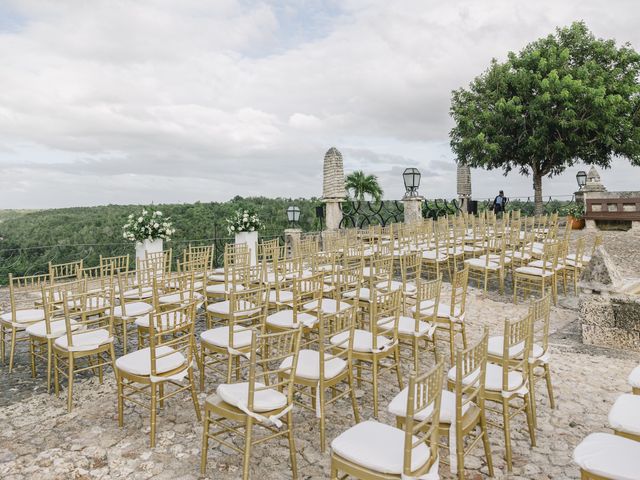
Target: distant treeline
{"points": [[28, 241]]}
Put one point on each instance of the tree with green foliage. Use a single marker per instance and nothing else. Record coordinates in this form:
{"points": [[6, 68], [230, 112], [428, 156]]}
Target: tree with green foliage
{"points": [[360, 185], [564, 98]]}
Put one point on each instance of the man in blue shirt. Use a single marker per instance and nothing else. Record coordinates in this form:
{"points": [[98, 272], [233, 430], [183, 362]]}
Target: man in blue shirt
{"points": [[499, 203]]}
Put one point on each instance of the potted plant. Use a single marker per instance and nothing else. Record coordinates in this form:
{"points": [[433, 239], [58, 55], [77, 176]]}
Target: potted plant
{"points": [[575, 215], [244, 225], [149, 229]]}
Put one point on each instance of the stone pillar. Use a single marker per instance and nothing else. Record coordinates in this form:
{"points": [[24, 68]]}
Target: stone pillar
{"points": [[332, 213], [463, 184], [412, 209], [333, 190], [291, 239]]}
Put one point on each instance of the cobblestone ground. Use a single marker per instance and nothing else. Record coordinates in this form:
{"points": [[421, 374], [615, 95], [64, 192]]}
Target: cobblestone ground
{"points": [[39, 439]]}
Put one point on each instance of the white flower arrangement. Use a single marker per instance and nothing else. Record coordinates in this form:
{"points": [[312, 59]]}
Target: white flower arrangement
{"points": [[147, 226], [243, 221]]}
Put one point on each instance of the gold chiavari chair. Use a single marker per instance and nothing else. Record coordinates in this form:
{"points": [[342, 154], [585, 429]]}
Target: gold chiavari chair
{"points": [[412, 331], [450, 315], [507, 380], [135, 299], [181, 289], [377, 276], [168, 360], [573, 264], [410, 274], [328, 367], [373, 451], [538, 278], [43, 334], [234, 277], [160, 262], [597, 241], [99, 277], [119, 264], [462, 409], [489, 265], [303, 291], [540, 356], [227, 343], [380, 342], [65, 272], [237, 408], [18, 318], [342, 281], [435, 258], [604, 456], [88, 336], [634, 380]]}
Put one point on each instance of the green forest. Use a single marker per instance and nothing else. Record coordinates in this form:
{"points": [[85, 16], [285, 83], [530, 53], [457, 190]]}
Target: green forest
{"points": [[30, 239]]}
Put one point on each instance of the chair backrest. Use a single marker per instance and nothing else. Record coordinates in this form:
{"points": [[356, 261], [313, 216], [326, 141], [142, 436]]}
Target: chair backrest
{"points": [[23, 286], [384, 304], [247, 310], [471, 363], [596, 243], [424, 390], [579, 252], [170, 334], [119, 263], [540, 311], [459, 286], [550, 254], [331, 325], [53, 296], [306, 289], [65, 272], [98, 277], [517, 338], [427, 300], [381, 271], [91, 310], [200, 254], [159, 261], [410, 267], [266, 371]]}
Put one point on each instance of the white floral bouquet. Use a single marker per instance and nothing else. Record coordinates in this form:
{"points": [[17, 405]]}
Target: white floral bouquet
{"points": [[243, 221], [147, 226]]}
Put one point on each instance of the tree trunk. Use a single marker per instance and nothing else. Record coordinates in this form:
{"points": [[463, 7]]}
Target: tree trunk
{"points": [[537, 190]]}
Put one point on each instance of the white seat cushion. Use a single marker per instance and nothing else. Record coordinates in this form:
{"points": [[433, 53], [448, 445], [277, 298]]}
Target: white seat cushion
{"points": [[406, 325], [431, 255], [444, 310], [481, 263], [634, 377], [57, 328], [409, 289], [540, 263], [284, 319], [28, 315], [362, 341], [221, 288], [85, 340], [139, 362], [285, 296], [493, 378], [609, 456], [495, 258], [625, 414], [223, 308], [220, 336], [519, 255], [144, 292], [175, 298], [263, 400], [378, 447], [398, 407], [534, 271], [133, 309], [365, 294], [309, 365], [329, 305], [495, 347]]}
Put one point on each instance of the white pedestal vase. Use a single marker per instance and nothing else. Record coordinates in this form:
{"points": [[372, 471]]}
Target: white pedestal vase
{"points": [[251, 239], [151, 246]]}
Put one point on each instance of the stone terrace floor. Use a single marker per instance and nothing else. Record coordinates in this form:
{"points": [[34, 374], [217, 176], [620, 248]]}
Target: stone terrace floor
{"points": [[39, 439]]}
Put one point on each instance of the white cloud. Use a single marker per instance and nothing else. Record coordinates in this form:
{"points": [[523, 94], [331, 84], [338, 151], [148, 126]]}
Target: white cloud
{"points": [[157, 100]]}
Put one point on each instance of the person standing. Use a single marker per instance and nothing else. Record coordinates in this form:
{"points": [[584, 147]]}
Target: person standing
{"points": [[499, 203]]}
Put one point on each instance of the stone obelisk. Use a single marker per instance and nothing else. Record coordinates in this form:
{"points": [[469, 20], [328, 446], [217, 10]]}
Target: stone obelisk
{"points": [[464, 186], [333, 189]]}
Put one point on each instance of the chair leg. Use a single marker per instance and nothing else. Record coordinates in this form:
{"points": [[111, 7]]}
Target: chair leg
{"points": [[507, 433], [56, 379], [547, 375], [374, 372], [32, 352], [463, 331], [12, 350], [292, 446], [320, 393], [154, 408], [354, 401], [70, 384], [205, 443], [396, 356], [2, 344], [530, 422], [120, 400], [124, 336], [247, 447], [202, 362], [532, 393], [194, 395], [485, 440], [49, 361]]}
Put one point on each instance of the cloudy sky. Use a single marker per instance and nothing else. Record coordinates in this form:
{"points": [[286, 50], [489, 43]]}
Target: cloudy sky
{"points": [[138, 101]]}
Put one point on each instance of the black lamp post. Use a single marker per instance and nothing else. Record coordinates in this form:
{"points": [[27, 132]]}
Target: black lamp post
{"points": [[293, 214], [581, 177], [411, 177]]}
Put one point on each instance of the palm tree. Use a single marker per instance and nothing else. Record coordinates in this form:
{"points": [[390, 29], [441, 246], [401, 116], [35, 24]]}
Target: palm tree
{"points": [[360, 185]]}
